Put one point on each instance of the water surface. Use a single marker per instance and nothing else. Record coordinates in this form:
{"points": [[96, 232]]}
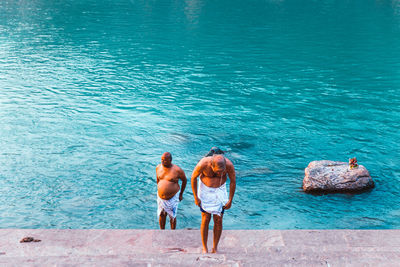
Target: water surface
{"points": [[93, 92]]}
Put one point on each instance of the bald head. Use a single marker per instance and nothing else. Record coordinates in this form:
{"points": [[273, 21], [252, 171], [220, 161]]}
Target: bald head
{"points": [[166, 159], [218, 163]]}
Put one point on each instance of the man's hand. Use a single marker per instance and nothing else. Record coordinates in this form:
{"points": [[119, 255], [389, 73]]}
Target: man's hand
{"points": [[197, 201], [180, 197], [228, 205]]}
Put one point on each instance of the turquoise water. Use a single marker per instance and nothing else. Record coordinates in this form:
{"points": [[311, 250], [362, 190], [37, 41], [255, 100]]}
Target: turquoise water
{"points": [[93, 92]]}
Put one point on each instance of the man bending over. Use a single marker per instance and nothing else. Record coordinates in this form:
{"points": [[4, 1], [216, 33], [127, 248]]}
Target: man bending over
{"points": [[210, 194]]}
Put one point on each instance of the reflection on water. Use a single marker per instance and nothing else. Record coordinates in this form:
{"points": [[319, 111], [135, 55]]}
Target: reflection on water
{"points": [[193, 10], [92, 93]]}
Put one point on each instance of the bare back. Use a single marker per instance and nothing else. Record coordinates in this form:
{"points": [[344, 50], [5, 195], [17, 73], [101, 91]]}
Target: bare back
{"points": [[207, 175], [167, 180]]}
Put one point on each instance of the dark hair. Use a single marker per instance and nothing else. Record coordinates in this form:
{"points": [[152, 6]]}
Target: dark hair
{"points": [[215, 151]]}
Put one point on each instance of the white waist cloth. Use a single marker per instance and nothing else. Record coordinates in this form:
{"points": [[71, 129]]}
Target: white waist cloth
{"points": [[212, 199], [170, 206]]}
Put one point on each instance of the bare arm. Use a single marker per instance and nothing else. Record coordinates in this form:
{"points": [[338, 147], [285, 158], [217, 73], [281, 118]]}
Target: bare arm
{"points": [[232, 185], [196, 172], [182, 176], [158, 179]]}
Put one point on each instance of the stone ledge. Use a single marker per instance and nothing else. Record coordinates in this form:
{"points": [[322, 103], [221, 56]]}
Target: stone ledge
{"points": [[183, 247]]}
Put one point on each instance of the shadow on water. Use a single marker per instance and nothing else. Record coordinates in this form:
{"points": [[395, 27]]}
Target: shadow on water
{"points": [[254, 172], [340, 192]]}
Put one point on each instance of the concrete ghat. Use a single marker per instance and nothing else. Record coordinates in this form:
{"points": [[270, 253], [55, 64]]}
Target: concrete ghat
{"points": [[182, 248]]}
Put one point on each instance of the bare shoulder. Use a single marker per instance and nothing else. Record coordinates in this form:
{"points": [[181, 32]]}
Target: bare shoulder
{"points": [[178, 169], [159, 169], [204, 162], [229, 163], [201, 165]]}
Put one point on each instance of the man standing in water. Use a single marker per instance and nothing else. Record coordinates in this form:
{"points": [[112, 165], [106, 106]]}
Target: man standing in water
{"points": [[168, 192], [210, 195]]}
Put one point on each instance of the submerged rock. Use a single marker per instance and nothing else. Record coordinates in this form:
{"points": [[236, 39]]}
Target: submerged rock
{"points": [[335, 176]]}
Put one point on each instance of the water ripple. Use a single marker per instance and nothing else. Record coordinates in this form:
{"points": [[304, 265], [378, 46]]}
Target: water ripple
{"points": [[92, 93]]}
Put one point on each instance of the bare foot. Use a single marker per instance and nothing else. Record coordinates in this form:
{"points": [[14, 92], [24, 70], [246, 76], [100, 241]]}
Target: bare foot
{"points": [[214, 250], [205, 250]]}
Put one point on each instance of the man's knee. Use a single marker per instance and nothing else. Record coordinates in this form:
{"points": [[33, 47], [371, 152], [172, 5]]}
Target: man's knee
{"points": [[217, 220], [163, 213], [206, 217]]}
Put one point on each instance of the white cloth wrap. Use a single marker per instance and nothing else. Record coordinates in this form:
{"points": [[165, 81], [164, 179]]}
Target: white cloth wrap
{"points": [[170, 206], [212, 199]]}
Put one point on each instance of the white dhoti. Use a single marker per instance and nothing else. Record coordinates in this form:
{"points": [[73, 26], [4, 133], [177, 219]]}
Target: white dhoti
{"points": [[170, 206], [212, 199]]}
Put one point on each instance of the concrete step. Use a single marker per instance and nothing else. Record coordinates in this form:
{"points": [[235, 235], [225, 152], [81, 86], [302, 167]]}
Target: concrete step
{"points": [[183, 247], [183, 259]]}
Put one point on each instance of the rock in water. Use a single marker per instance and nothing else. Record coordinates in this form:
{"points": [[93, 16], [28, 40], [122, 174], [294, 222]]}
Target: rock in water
{"points": [[335, 176]]}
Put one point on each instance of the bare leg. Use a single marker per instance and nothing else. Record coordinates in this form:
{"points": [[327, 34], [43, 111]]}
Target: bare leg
{"points": [[162, 220], [205, 221], [172, 221], [217, 231]]}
